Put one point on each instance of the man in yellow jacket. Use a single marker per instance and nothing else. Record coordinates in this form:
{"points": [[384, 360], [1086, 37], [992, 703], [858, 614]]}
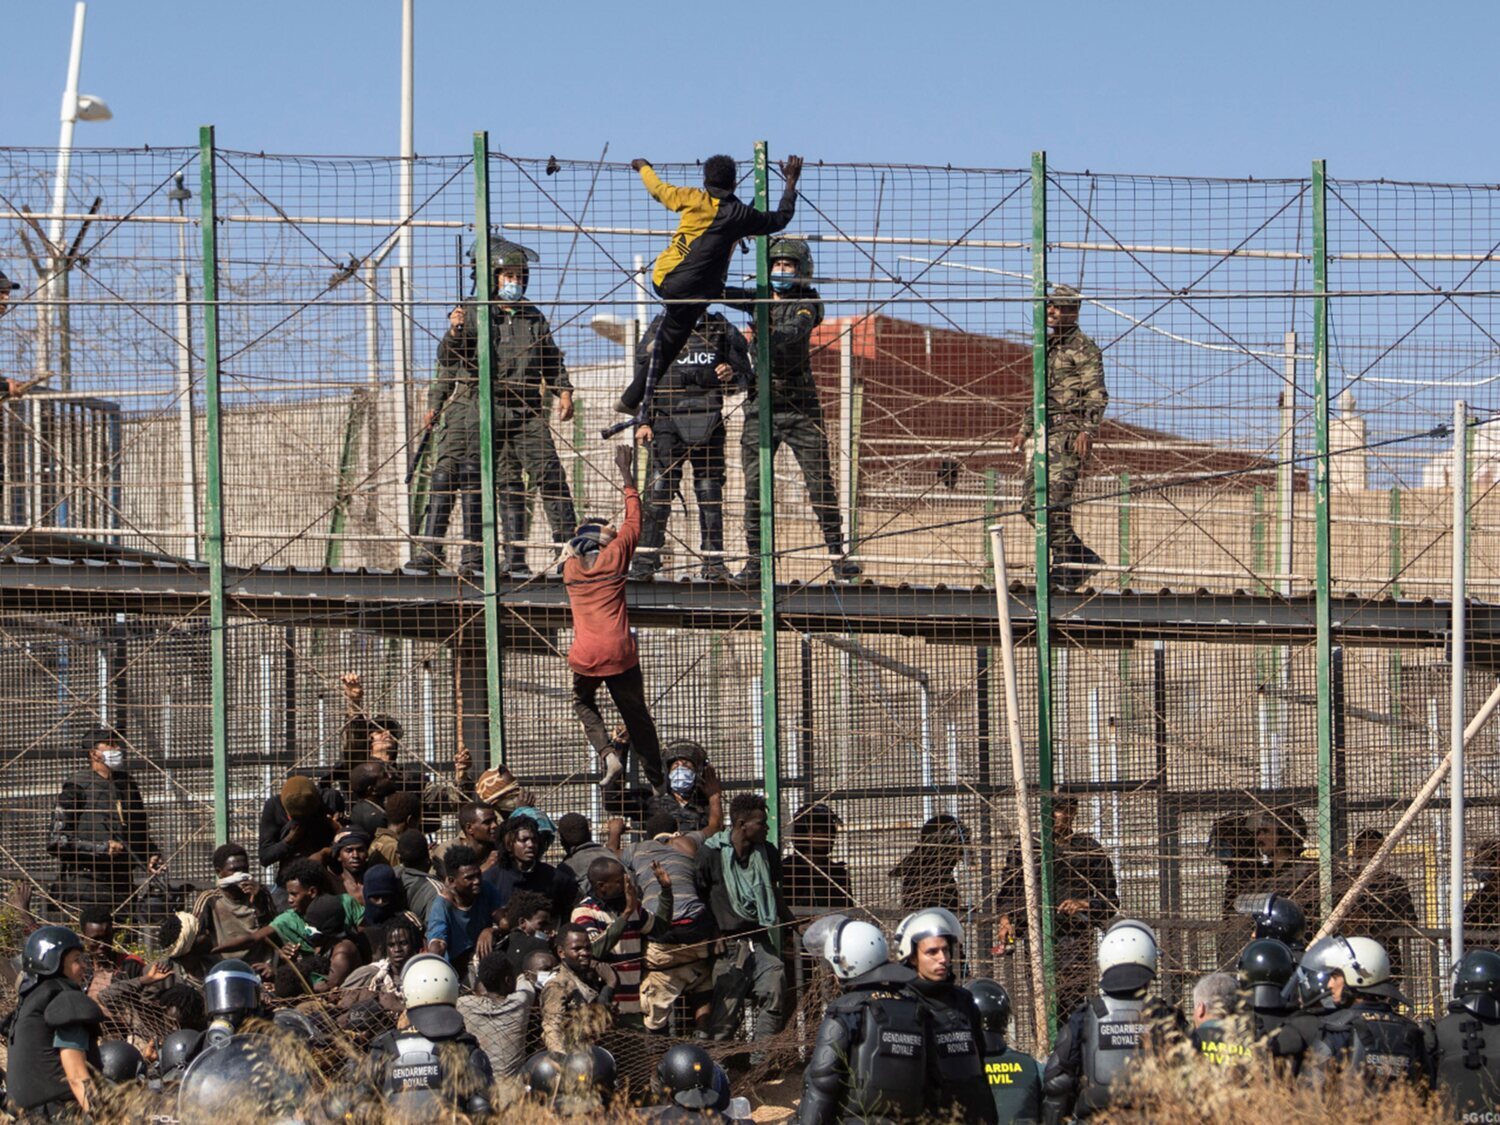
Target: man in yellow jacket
{"points": [[689, 274]]}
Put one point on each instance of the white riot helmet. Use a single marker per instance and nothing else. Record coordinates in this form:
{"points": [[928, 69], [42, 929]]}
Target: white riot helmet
{"points": [[1366, 967], [936, 922], [850, 946], [428, 979], [1127, 957]]}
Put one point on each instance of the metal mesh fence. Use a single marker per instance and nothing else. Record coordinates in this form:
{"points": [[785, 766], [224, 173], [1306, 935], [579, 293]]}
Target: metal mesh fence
{"points": [[1251, 678]]}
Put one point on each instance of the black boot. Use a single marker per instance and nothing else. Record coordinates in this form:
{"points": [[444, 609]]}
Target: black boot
{"points": [[515, 535], [471, 558], [749, 575], [429, 556]]}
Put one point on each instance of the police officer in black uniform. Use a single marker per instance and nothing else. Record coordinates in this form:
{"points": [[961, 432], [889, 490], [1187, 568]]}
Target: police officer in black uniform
{"points": [[1364, 1036], [929, 942], [871, 1060], [100, 829], [54, 1033], [685, 426], [430, 1061], [1106, 1033], [1465, 1044], [1015, 1077]]}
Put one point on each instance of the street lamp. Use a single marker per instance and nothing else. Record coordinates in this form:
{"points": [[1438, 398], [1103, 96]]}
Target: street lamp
{"points": [[75, 107]]}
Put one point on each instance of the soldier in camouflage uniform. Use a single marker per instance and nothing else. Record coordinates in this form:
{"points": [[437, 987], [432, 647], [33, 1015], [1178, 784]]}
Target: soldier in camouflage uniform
{"points": [[796, 412], [1076, 399], [527, 367]]}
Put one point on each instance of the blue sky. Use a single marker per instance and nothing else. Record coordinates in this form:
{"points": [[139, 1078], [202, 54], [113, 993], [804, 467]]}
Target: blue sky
{"points": [[1167, 87]]}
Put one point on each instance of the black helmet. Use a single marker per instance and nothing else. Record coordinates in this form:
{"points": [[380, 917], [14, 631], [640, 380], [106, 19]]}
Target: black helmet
{"points": [[541, 1075], [42, 955], [993, 1003], [176, 1051], [504, 252], [588, 1079], [1478, 974], [686, 1073], [1280, 918], [231, 988], [1267, 961], [120, 1062]]}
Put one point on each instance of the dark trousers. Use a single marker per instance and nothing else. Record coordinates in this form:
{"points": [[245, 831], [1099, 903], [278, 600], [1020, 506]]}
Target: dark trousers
{"points": [[669, 455], [678, 319], [628, 690], [524, 442], [804, 434], [455, 483]]}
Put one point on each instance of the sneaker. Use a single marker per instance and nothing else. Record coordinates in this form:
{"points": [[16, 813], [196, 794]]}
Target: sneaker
{"points": [[716, 571], [613, 768]]}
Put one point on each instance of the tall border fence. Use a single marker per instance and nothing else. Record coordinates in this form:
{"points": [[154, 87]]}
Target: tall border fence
{"points": [[227, 428]]}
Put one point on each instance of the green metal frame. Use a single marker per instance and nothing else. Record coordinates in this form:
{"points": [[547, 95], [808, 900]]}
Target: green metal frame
{"points": [[484, 294], [213, 506], [770, 680], [1322, 513], [1039, 451]]}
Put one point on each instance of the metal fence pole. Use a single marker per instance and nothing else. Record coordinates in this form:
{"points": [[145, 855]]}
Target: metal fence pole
{"points": [[1039, 459], [1324, 538], [769, 680], [213, 533], [484, 291], [1456, 694]]}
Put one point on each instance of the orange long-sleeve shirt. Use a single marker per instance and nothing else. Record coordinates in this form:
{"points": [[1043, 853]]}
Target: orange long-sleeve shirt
{"points": [[602, 644]]}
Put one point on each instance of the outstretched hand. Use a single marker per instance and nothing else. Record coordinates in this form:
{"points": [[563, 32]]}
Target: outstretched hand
{"points": [[638, 163], [791, 169], [625, 462]]}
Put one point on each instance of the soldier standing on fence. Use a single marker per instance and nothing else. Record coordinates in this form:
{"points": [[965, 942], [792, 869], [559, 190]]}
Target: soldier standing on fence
{"points": [[527, 366], [1076, 400], [796, 412]]}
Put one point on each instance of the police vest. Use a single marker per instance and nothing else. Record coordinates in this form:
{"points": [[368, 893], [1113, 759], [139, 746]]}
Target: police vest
{"points": [[888, 1062], [35, 1066], [1114, 1030], [1016, 1085], [1383, 1047], [1468, 1061], [959, 1057], [1217, 1046]]}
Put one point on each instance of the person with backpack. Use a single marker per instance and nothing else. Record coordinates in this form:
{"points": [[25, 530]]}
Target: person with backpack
{"points": [[1363, 1036], [1465, 1043], [873, 1057], [1107, 1032]]}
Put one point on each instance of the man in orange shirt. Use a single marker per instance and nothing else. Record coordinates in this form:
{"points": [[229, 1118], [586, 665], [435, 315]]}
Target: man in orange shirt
{"points": [[603, 651]]}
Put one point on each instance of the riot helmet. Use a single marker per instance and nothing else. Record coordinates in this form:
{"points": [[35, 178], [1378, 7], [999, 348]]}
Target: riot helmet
{"points": [[45, 949], [1280, 918], [588, 1080], [505, 253], [176, 1051], [1366, 967], [993, 1003], [936, 922], [1127, 957], [232, 989], [541, 1075], [686, 1073], [1266, 965], [793, 250], [1310, 984], [1476, 983], [120, 1062]]}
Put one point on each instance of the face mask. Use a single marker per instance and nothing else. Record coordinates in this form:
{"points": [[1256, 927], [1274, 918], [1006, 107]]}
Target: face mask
{"points": [[236, 879], [509, 291], [781, 282], [543, 977], [112, 759], [544, 935], [682, 780]]}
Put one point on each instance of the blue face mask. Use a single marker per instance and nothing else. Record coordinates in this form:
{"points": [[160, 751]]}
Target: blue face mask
{"points": [[782, 282], [682, 779], [509, 291]]}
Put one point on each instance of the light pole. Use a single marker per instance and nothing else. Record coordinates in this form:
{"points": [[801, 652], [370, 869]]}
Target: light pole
{"points": [[76, 107]]}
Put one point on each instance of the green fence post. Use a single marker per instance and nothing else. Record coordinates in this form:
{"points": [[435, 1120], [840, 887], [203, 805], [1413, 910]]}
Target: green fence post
{"points": [[769, 679], [1039, 451], [1322, 512], [213, 507], [484, 292]]}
